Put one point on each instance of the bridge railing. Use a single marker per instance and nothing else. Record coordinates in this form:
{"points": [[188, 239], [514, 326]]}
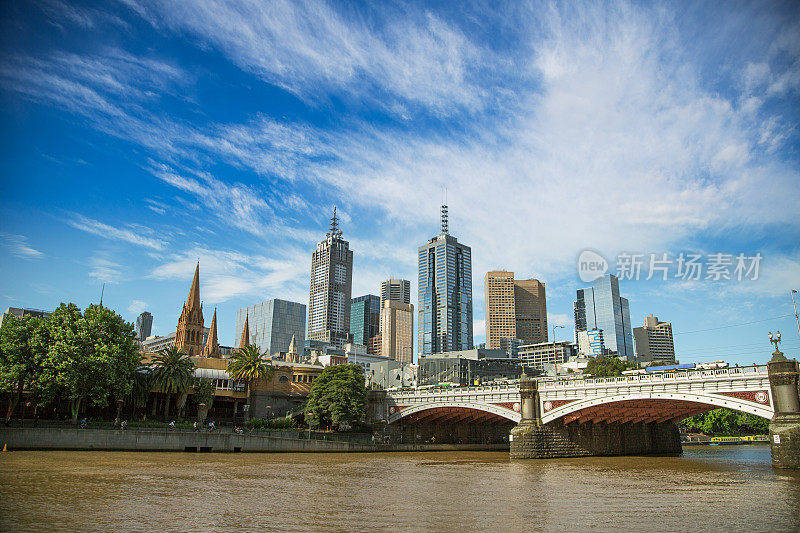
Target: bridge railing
{"points": [[660, 377]]}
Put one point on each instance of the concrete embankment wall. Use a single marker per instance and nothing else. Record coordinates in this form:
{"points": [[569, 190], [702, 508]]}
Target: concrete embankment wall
{"points": [[132, 440]]}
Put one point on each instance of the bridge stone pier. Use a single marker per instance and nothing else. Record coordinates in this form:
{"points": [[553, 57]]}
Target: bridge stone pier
{"points": [[624, 415]]}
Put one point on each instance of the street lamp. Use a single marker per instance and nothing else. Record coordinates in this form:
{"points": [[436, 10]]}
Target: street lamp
{"points": [[777, 355], [554, 333]]}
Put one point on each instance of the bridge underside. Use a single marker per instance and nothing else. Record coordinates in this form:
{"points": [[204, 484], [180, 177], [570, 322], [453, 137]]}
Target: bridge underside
{"points": [[638, 411], [456, 425]]}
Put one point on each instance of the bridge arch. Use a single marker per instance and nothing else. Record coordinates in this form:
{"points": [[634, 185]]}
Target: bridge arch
{"points": [[692, 403], [498, 410]]}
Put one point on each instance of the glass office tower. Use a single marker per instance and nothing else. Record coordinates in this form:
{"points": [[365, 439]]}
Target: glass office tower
{"points": [[365, 318], [272, 325], [601, 307], [445, 294]]}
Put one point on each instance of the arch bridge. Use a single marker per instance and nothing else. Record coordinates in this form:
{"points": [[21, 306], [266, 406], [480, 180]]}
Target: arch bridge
{"points": [[615, 410]]}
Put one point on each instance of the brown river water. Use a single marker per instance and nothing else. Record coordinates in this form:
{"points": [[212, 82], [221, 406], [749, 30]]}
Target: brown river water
{"points": [[726, 488]]}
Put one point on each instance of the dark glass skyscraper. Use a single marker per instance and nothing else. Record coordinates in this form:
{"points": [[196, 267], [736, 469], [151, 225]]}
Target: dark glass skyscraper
{"points": [[365, 318], [144, 325], [445, 293], [601, 307]]}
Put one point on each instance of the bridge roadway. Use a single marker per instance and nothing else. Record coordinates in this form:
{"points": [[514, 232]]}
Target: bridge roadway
{"points": [[657, 397]]}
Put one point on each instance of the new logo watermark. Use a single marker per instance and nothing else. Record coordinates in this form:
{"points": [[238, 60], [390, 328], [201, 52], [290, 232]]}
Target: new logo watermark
{"points": [[685, 266]]}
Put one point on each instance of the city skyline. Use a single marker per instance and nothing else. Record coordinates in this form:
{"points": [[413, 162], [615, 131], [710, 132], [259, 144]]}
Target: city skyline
{"points": [[130, 154]]}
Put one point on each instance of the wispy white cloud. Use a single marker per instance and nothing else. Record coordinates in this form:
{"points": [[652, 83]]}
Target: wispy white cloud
{"points": [[119, 234], [137, 307], [17, 245], [104, 269]]}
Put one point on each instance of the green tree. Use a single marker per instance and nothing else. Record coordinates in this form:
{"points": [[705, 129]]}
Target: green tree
{"points": [[602, 366], [172, 373], [753, 424], [91, 356], [726, 422], [203, 392], [247, 364], [23, 346], [338, 396]]}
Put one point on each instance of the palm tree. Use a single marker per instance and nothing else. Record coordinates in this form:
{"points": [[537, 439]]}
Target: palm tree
{"points": [[172, 373], [142, 385], [247, 365]]}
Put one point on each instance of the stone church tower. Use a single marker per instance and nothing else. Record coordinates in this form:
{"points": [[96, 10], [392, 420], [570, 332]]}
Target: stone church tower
{"points": [[189, 336], [211, 348]]}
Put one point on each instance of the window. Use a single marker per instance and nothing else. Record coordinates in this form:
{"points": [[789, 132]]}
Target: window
{"points": [[283, 379]]}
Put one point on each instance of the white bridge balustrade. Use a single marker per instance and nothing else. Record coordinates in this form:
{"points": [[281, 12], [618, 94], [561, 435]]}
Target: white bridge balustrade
{"points": [[653, 397]]}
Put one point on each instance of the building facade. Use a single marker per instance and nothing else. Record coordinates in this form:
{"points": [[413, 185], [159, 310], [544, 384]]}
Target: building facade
{"points": [[515, 309], [463, 371], [601, 307], [144, 325], [365, 317], [445, 293], [543, 353], [654, 341], [397, 331], [398, 290], [272, 324], [22, 312], [331, 289]]}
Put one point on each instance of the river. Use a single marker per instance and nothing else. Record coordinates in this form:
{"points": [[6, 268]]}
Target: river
{"points": [[730, 488]]}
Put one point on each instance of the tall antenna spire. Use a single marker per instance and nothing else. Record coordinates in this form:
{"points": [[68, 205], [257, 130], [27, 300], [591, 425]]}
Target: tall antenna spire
{"points": [[335, 231], [444, 219], [102, 291]]}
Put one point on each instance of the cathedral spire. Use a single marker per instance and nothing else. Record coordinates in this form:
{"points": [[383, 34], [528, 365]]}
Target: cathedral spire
{"points": [[245, 340], [193, 300], [211, 348], [293, 346]]}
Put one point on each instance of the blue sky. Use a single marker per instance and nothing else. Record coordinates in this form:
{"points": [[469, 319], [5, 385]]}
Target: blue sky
{"points": [[139, 136]]}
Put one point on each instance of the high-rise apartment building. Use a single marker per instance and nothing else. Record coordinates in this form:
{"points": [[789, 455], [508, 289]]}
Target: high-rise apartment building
{"points": [[398, 290], [654, 341], [144, 325], [272, 324], [601, 307], [331, 289], [515, 309], [365, 314], [445, 293], [397, 330]]}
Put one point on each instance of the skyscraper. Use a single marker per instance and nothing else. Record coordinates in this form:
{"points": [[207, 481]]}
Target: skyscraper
{"points": [[654, 341], [365, 318], [272, 324], [331, 288], [397, 330], [515, 309], [601, 307], [445, 293], [398, 290], [144, 325]]}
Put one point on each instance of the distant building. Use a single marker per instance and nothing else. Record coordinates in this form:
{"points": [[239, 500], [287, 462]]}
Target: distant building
{"points": [[390, 374], [331, 289], [515, 309], [144, 325], [397, 330], [21, 312], [466, 367], [544, 353], [654, 341], [272, 324], [445, 293], [590, 343], [156, 343], [365, 317], [600, 307], [398, 290], [375, 345]]}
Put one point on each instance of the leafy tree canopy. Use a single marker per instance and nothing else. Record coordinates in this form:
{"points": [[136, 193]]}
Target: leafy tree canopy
{"points": [[726, 422], [601, 366], [338, 396], [23, 346]]}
